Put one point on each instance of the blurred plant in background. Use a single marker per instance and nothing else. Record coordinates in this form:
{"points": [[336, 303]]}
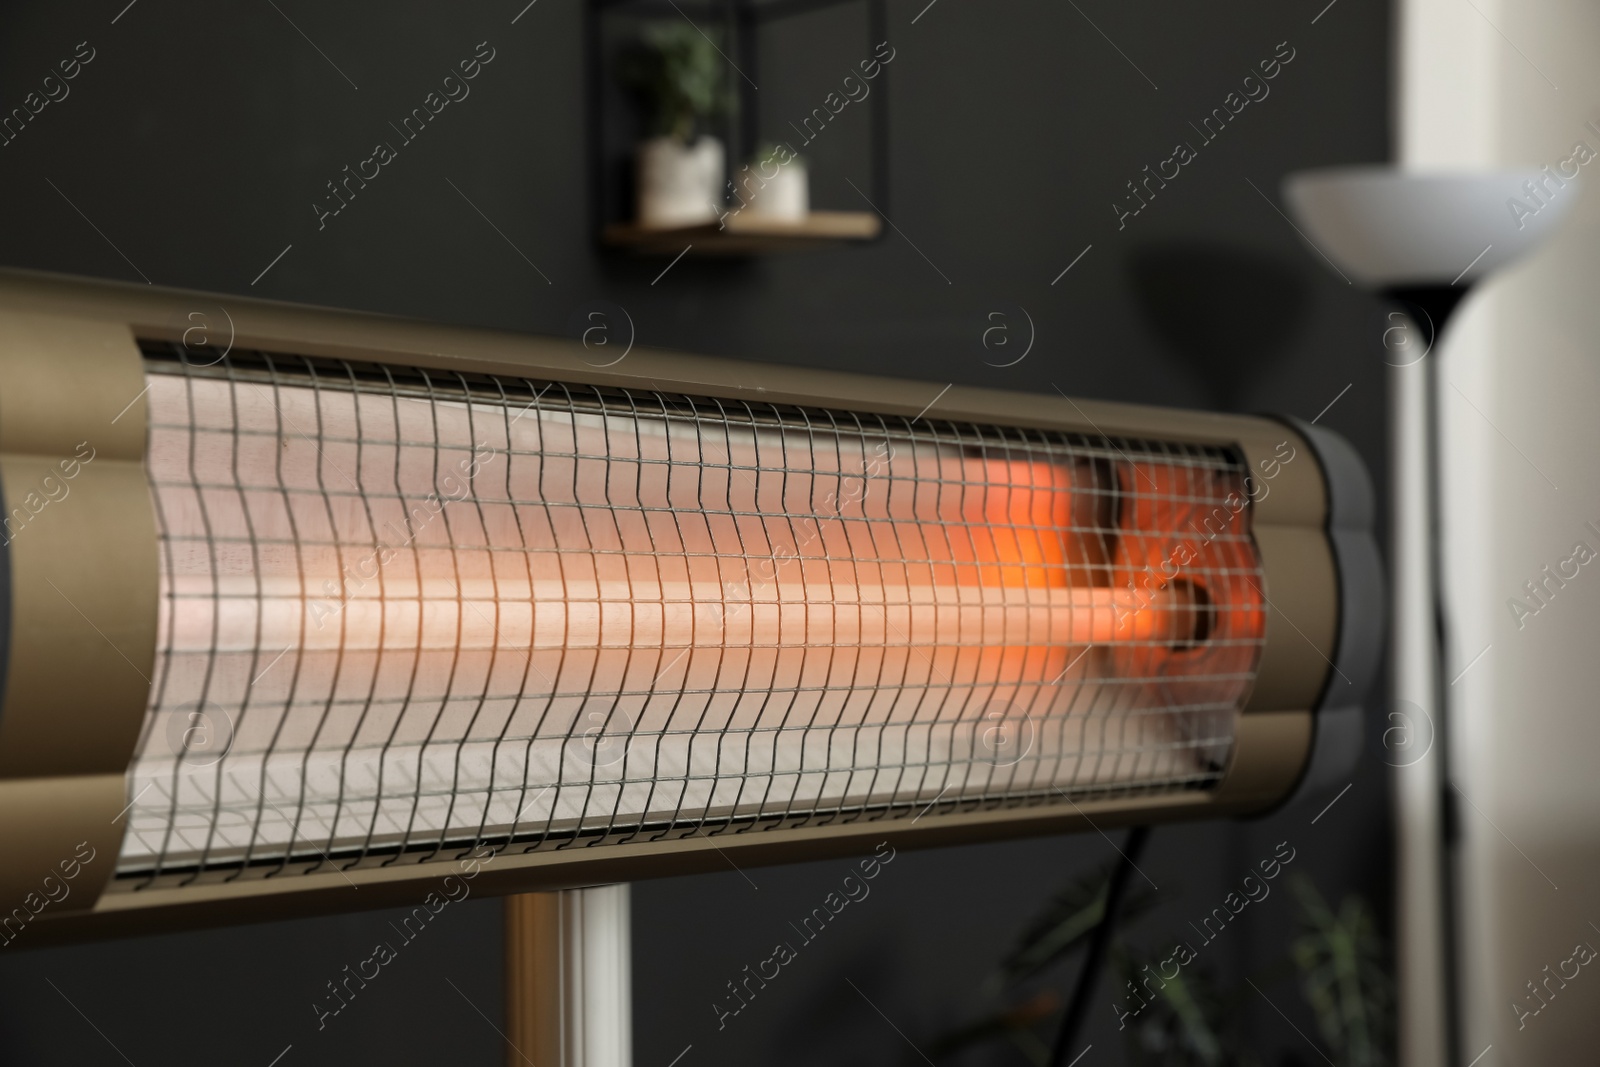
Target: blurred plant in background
{"points": [[1344, 976], [1192, 1020], [677, 76]]}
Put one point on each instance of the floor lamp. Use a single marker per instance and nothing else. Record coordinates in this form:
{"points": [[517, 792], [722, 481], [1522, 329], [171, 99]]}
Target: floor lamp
{"points": [[1422, 240]]}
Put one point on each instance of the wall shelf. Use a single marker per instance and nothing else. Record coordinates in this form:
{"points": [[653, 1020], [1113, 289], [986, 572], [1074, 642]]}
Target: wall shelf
{"points": [[746, 234], [858, 156]]}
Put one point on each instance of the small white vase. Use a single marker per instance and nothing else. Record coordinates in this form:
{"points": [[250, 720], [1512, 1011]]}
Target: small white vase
{"points": [[785, 196], [679, 184]]}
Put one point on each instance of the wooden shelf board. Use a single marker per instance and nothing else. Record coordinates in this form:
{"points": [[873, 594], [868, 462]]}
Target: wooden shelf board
{"points": [[747, 233]]}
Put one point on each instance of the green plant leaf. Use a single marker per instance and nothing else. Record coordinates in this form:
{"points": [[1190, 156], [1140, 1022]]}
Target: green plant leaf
{"points": [[1344, 973], [1186, 1023], [1066, 921], [678, 77]]}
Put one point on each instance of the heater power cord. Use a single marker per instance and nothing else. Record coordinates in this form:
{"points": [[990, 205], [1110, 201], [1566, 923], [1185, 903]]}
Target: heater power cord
{"points": [[1099, 947]]}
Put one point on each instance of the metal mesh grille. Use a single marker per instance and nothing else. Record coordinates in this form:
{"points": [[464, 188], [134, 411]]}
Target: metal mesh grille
{"points": [[407, 612]]}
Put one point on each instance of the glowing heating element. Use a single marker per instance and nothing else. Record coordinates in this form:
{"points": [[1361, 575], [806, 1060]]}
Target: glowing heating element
{"points": [[402, 611]]}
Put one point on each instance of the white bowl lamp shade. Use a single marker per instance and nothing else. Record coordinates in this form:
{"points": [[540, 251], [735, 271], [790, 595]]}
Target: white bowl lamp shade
{"points": [[1392, 230]]}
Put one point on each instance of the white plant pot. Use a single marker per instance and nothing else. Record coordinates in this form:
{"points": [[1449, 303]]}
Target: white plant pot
{"points": [[679, 184], [785, 196]]}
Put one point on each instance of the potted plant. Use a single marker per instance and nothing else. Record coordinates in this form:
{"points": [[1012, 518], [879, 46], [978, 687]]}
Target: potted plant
{"points": [[676, 74], [775, 184]]}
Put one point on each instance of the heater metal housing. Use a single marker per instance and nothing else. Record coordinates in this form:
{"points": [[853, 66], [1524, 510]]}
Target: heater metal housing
{"points": [[141, 555]]}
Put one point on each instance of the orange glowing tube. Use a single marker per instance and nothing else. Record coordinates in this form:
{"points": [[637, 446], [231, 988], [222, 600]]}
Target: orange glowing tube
{"points": [[650, 615]]}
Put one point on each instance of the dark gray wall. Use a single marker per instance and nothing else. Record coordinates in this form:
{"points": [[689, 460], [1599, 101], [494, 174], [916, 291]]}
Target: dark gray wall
{"points": [[192, 148]]}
